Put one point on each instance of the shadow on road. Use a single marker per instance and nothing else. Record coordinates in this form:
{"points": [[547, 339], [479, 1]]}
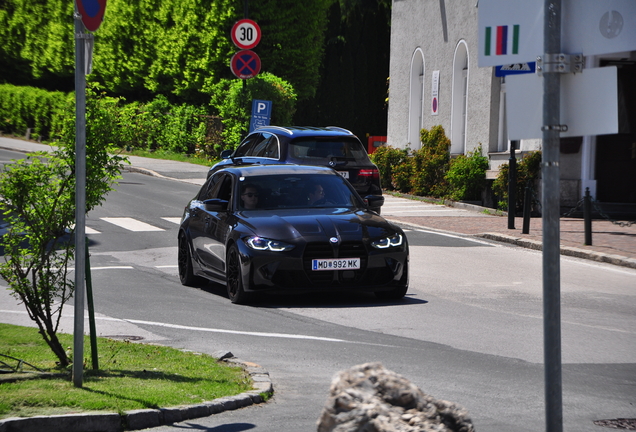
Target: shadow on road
{"points": [[317, 299]]}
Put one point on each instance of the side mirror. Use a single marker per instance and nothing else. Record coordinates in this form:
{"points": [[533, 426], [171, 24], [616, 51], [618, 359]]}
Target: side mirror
{"points": [[374, 200], [215, 204], [225, 154]]}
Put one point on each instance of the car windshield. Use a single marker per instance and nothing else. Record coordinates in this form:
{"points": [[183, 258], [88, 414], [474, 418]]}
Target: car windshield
{"points": [[295, 191], [317, 151]]}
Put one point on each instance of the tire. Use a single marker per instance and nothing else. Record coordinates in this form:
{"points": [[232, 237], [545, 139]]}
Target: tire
{"points": [[234, 277], [399, 291], [184, 259]]}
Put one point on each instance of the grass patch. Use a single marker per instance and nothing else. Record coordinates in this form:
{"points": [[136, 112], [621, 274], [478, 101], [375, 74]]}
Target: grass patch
{"points": [[131, 376], [168, 155]]}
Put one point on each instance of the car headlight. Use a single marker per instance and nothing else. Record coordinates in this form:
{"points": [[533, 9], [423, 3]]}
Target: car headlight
{"points": [[261, 244], [387, 242]]}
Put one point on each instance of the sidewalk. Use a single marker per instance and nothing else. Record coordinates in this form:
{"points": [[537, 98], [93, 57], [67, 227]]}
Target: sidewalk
{"points": [[611, 243]]}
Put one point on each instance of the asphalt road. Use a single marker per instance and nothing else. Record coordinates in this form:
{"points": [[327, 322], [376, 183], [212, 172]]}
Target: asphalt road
{"points": [[469, 330]]}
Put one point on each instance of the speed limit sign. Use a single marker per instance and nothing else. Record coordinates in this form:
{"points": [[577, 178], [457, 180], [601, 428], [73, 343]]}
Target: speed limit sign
{"points": [[246, 34]]}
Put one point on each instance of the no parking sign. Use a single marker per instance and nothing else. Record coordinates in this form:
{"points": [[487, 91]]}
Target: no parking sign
{"points": [[92, 12], [245, 64]]}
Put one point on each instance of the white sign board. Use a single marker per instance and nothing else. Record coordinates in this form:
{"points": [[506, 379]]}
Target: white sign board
{"points": [[589, 104], [595, 27], [435, 93], [510, 31]]}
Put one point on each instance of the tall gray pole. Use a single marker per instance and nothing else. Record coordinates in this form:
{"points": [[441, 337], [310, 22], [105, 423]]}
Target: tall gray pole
{"points": [[80, 199], [551, 232]]}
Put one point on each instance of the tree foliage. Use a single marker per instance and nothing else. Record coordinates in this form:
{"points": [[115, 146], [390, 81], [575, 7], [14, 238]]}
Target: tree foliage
{"points": [[178, 48], [232, 99], [39, 205]]}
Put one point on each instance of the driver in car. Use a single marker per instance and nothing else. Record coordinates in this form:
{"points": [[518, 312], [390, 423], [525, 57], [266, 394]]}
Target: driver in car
{"points": [[249, 197]]}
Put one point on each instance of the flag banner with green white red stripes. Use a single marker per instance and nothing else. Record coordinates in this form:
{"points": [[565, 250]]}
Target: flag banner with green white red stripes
{"points": [[510, 31], [501, 40]]}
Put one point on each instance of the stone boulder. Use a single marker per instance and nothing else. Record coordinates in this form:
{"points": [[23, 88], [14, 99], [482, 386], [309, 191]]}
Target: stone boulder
{"points": [[370, 398]]}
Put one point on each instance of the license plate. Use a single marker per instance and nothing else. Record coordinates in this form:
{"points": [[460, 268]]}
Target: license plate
{"points": [[335, 264], [345, 174]]}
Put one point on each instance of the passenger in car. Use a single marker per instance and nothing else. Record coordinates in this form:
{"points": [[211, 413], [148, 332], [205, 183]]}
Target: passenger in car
{"points": [[315, 194]]}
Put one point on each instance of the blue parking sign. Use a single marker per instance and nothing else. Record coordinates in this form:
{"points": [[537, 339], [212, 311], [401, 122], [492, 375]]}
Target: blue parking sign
{"points": [[261, 114]]}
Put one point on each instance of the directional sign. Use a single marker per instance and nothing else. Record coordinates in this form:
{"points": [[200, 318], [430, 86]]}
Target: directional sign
{"points": [[245, 64], [515, 69], [246, 34], [92, 12]]}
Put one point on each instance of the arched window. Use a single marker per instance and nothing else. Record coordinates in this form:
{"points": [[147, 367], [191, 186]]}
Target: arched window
{"points": [[416, 98], [460, 99]]}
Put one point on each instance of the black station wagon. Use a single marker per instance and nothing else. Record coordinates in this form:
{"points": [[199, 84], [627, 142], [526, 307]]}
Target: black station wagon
{"points": [[330, 146]]}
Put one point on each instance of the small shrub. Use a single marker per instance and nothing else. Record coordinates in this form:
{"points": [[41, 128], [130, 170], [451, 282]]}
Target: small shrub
{"points": [[528, 170], [466, 176], [431, 162], [387, 159], [402, 176]]}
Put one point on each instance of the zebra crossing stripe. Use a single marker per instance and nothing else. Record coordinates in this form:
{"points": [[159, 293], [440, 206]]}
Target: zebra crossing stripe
{"points": [[131, 224], [175, 220]]}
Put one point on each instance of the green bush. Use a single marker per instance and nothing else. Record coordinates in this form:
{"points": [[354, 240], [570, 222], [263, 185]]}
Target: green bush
{"points": [[430, 163], [29, 107], [233, 100], [528, 170], [466, 176], [387, 159]]}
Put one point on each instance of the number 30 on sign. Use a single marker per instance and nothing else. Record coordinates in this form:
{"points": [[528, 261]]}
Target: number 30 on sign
{"points": [[246, 34]]}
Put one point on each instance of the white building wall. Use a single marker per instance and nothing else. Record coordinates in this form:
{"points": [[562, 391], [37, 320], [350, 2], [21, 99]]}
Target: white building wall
{"points": [[418, 24]]}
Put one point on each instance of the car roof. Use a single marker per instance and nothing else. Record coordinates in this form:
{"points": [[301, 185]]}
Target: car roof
{"points": [[276, 169], [309, 131]]}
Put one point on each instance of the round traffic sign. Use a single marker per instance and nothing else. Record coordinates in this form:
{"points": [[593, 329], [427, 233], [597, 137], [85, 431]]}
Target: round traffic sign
{"points": [[92, 12], [245, 64], [246, 34]]}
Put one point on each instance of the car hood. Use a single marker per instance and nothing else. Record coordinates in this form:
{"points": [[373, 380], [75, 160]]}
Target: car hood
{"points": [[313, 225]]}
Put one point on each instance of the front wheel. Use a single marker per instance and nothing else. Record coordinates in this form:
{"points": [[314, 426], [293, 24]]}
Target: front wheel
{"points": [[234, 277]]}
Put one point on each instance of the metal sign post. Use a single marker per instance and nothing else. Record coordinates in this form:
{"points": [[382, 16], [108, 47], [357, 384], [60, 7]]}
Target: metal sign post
{"points": [[88, 16], [80, 200], [551, 230]]}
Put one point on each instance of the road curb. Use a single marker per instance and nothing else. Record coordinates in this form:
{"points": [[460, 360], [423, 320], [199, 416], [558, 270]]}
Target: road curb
{"points": [[565, 250], [149, 172], [147, 418]]}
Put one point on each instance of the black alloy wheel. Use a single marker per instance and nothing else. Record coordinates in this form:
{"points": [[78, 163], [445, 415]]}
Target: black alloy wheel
{"points": [[234, 277]]}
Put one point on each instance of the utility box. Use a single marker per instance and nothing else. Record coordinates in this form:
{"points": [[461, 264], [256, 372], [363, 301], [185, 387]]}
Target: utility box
{"points": [[374, 142]]}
